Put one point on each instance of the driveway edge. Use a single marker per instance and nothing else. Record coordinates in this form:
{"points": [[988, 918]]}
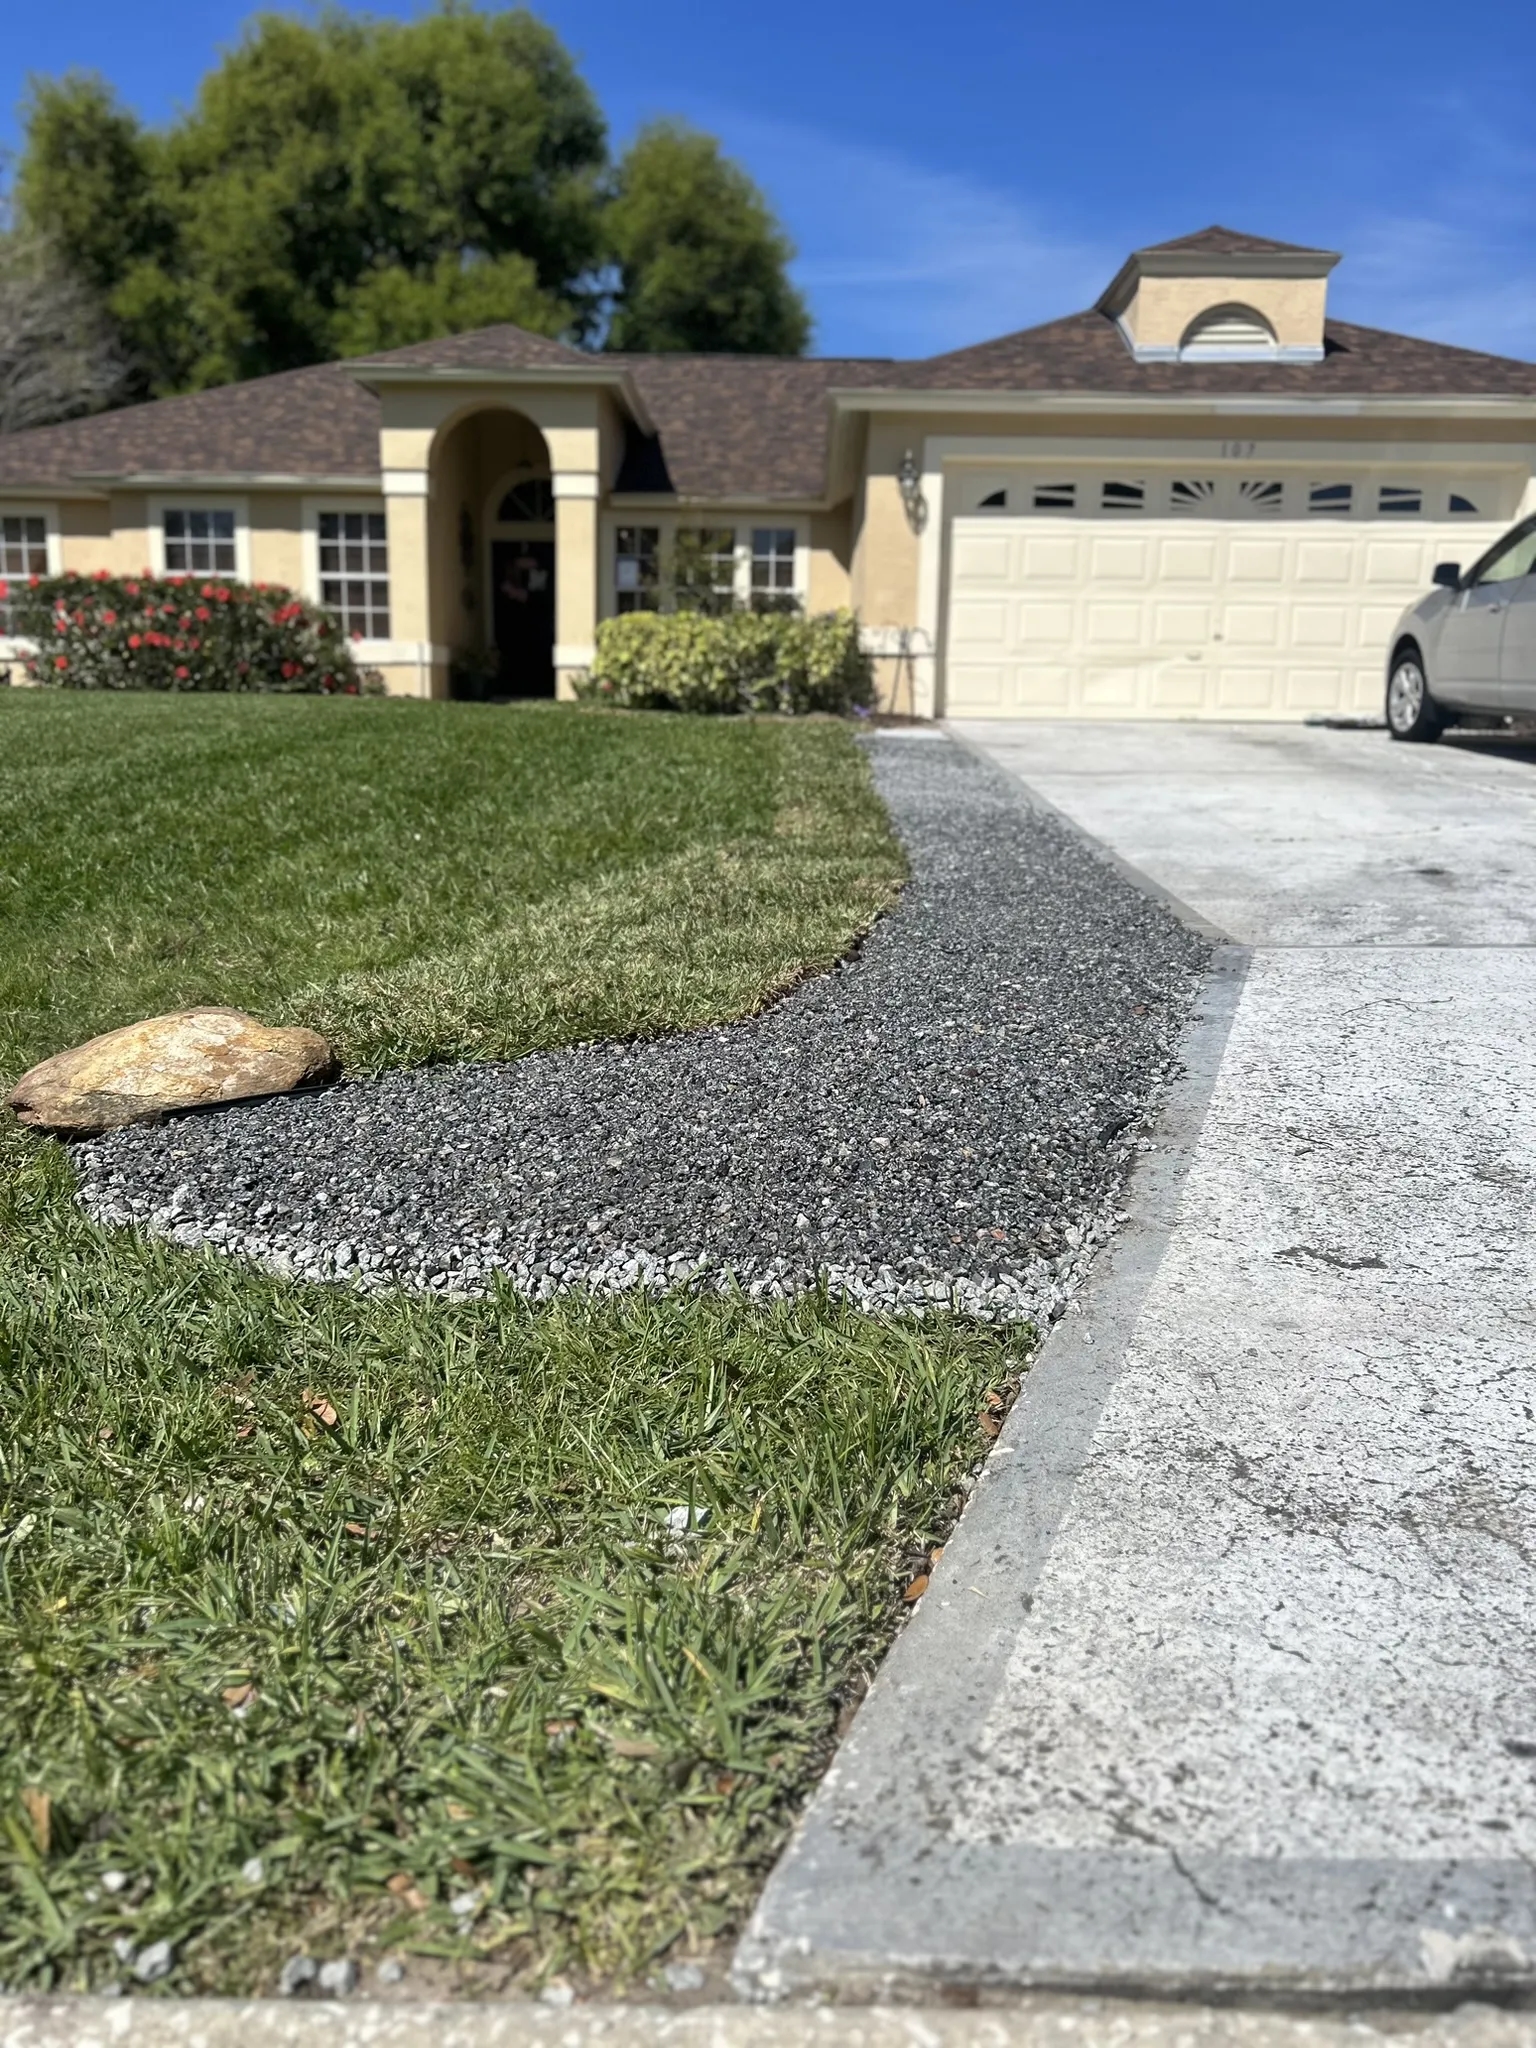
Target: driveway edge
{"points": [[1040, 2023], [871, 1897]]}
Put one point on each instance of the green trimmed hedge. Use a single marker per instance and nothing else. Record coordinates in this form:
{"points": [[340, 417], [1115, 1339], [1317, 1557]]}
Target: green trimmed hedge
{"points": [[742, 661], [179, 633]]}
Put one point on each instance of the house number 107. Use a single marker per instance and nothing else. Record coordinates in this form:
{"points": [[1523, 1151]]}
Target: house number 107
{"points": [[1240, 450]]}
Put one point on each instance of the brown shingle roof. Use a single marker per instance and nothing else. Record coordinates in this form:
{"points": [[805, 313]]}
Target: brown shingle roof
{"points": [[750, 425], [1085, 352], [313, 422], [1217, 241], [486, 348]]}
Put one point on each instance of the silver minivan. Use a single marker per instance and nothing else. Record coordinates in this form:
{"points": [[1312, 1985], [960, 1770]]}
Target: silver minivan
{"points": [[1470, 645]]}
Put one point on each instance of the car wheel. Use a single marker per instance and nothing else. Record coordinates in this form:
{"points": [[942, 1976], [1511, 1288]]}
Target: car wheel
{"points": [[1412, 714]]}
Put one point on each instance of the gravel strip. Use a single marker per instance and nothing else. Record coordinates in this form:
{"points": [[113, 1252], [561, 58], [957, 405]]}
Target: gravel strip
{"points": [[944, 1119]]}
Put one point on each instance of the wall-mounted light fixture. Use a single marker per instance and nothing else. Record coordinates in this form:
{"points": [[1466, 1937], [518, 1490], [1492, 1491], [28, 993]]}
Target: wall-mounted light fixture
{"points": [[909, 482]]}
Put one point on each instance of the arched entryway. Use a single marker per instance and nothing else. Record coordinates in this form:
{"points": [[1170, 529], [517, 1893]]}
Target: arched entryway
{"points": [[492, 523]]}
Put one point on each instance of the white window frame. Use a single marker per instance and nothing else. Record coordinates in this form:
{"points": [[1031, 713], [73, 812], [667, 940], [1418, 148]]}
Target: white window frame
{"points": [[13, 647], [369, 652], [740, 524], [200, 501]]}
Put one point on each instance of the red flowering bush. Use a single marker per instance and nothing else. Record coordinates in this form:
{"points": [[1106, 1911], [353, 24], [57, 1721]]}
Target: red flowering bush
{"points": [[178, 633]]}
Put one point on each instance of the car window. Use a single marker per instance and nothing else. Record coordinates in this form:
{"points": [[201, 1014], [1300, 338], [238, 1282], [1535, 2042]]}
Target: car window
{"points": [[1516, 557]]}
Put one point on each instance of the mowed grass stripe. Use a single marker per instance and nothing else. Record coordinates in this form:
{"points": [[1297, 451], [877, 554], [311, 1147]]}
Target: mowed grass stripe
{"points": [[381, 1591]]}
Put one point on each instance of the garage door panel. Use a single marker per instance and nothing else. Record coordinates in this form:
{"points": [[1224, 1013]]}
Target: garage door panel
{"points": [[1256, 561], [1194, 617], [1395, 561], [1109, 688], [1045, 560], [1246, 689], [1114, 625], [1320, 625], [983, 558], [1043, 625], [979, 683], [1315, 689], [1179, 689], [1042, 687], [1187, 560], [1251, 625], [979, 624], [1325, 561], [1121, 560], [1181, 625]]}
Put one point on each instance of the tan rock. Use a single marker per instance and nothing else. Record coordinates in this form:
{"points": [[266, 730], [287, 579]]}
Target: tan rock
{"points": [[182, 1061]]}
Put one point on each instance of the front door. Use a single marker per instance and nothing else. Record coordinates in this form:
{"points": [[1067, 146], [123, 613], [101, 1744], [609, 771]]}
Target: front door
{"points": [[523, 590]]}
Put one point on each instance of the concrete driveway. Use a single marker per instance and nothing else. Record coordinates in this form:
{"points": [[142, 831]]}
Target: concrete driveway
{"points": [[1226, 1682]]}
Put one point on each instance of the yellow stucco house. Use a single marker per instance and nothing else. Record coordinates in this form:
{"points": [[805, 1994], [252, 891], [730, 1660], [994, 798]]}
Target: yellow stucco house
{"points": [[1202, 497]]}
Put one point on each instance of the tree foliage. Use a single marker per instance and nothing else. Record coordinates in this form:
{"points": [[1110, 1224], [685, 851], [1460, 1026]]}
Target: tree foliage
{"points": [[58, 353], [701, 260], [346, 184]]}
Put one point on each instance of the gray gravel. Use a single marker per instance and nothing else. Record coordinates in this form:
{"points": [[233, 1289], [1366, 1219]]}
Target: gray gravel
{"points": [[946, 1118]]}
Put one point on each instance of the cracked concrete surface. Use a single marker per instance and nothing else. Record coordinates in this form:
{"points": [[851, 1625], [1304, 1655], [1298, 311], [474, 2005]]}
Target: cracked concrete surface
{"points": [[1225, 1683]]}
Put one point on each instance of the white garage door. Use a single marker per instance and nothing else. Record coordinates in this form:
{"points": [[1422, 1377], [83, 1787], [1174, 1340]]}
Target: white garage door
{"points": [[1178, 596]]}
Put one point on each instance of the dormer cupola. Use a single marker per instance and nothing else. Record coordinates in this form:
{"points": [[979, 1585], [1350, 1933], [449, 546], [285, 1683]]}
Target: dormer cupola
{"points": [[1222, 297]]}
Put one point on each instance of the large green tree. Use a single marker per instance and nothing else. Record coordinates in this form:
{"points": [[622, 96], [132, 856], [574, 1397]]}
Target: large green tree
{"points": [[701, 259], [347, 184]]}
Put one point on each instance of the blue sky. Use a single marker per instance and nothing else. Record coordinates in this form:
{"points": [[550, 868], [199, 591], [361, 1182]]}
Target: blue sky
{"points": [[949, 171]]}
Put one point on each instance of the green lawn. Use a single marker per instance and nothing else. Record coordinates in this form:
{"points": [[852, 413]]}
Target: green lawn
{"points": [[380, 1591]]}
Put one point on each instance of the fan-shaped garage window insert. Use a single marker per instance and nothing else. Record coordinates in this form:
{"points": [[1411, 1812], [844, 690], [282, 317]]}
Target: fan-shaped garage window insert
{"points": [[1461, 504], [1260, 494], [1192, 494], [996, 501], [1227, 334], [530, 503]]}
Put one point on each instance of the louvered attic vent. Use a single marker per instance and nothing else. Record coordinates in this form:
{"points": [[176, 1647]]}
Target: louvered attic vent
{"points": [[1228, 333]]}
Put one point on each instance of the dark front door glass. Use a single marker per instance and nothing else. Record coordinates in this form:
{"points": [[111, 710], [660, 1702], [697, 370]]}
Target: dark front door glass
{"points": [[523, 588]]}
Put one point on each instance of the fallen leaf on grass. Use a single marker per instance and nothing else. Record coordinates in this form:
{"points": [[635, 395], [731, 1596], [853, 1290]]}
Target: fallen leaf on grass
{"points": [[457, 1810], [917, 1589], [560, 1731], [405, 1888], [318, 1406], [239, 1698], [990, 1424], [641, 1752], [360, 1529], [461, 1868], [39, 1808], [246, 1429], [105, 1434]]}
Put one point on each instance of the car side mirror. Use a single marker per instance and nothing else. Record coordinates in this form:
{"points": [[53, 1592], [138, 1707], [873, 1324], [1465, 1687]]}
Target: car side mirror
{"points": [[1447, 575]]}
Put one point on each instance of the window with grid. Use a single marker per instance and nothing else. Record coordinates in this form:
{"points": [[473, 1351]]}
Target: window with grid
{"points": [[773, 568], [354, 573], [23, 553], [200, 543], [637, 568], [704, 568]]}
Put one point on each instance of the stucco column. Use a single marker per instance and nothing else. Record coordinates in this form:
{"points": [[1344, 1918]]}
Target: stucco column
{"points": [[406, 505], [575, 575]]}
